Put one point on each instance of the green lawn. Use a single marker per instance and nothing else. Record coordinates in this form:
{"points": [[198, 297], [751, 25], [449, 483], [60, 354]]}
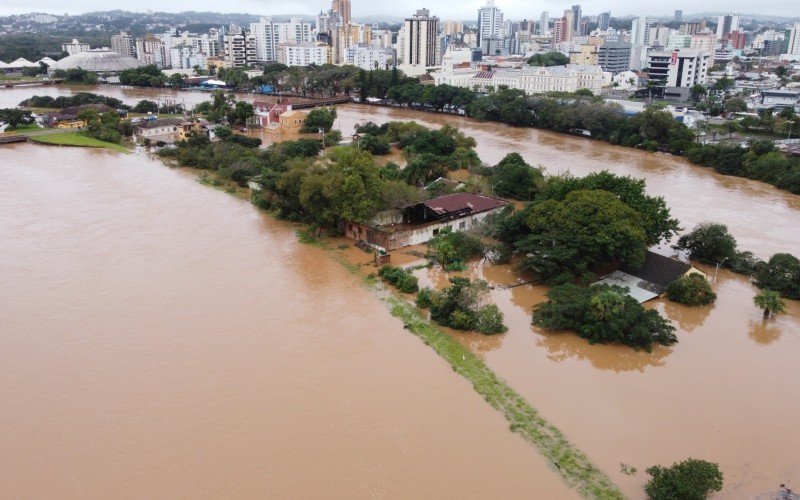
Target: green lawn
{"points": [[76, 139]]}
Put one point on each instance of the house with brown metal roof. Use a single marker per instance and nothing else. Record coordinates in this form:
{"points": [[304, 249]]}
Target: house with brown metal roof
{"points": [[418, 223]]}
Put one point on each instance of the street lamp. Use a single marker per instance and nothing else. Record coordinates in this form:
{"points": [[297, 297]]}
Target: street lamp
{"points": [[492, 186], [717, 269]]}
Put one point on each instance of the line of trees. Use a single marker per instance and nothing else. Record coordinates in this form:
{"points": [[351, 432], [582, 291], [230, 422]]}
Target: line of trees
{"points": [[78, 99]]}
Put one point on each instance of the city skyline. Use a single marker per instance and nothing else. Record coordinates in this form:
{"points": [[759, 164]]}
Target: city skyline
{"points": [[513, 9]]}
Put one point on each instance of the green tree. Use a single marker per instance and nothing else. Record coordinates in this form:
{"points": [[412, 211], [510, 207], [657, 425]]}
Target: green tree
{"points": [[697, 92], [603, 314], [548, 59], [589, 227], [771, 302], [15, 117], [692, 290], [319, 118], [709, 242], [513, 177], [691, 479], [782, 274], [735, 105]]}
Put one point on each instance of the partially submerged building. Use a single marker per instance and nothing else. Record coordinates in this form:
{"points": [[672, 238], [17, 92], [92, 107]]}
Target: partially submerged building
{"points": [[652, 278], [418, 223]]}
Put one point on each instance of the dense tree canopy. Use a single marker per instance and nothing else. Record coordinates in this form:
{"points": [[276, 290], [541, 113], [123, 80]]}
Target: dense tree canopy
{"points": [[603, 314], [782, 274], [548, 59], [514, 178], [319, 119], [709, 242], [691, 479], [569, 237]]}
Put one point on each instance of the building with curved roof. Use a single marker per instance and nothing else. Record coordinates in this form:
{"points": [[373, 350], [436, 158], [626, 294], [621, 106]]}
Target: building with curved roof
{"points": [[97, 61]]}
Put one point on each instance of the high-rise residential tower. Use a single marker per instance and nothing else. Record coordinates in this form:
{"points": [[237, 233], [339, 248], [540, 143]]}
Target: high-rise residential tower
{"points": [[490, 24], [420, 39]]}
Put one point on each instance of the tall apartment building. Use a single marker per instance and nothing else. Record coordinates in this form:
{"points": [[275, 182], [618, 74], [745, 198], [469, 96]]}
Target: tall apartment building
{"points": [[603, 21], [454, 27], [490, 24], [124, 44], [268, 35], [420, 44], [150, 50], [342, 7], [640, 31], [381, 38], [576, 20], [544, 23], [75, 47], [726, 24], [678, 16], [561, 30], [793, 39], [240, 48]]}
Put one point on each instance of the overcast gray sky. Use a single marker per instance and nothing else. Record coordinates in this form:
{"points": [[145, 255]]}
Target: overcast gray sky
{"points": [[445, 9]]}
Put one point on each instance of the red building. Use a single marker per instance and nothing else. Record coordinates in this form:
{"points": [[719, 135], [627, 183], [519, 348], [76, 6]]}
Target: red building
{"points": [[737, 39]]}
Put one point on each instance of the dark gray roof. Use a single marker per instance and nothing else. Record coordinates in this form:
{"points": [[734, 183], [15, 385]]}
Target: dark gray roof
{"points": [[658, 270]]}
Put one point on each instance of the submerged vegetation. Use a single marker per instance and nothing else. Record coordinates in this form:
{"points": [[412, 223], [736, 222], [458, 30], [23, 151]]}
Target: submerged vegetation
{"points": [[400, 278], [603, 314], [691, 479], [463, 306], [572, 464], [691, 290]]}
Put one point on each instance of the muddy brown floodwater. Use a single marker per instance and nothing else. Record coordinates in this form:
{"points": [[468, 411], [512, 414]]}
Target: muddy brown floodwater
{"points": [[160, 339], [727, 392]]}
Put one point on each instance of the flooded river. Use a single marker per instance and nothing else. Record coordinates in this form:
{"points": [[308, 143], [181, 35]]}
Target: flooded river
{"points": [[139, 329], [161, 339]]}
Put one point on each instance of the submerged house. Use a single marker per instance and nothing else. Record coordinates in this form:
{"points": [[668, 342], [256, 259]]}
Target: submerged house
{"points": [[652, 278], [418, 223]]}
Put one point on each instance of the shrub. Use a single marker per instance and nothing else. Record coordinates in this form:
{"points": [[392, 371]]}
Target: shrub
{"points": [[692, 290], [400, 278], [452, 249], [691, 479], [459, 306]]}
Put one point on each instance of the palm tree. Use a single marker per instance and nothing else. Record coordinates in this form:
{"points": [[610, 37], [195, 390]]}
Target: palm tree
{"points": [[771, 302]]}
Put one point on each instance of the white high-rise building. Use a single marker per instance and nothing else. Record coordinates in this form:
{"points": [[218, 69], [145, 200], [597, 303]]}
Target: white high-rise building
{"points": [[794, 40], [420, 40], [544, 23], [726, 24], [490, 24], [640, 32], [268, 35]]}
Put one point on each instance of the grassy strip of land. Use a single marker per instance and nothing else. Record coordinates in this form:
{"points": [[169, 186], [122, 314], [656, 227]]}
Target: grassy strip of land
{"points": [[76, 139], [571, 463]]}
